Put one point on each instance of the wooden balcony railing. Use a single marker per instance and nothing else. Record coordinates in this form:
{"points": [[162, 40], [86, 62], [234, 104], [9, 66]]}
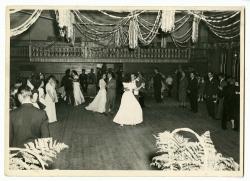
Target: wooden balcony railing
{"points": [[19, 52], [38, 53]]}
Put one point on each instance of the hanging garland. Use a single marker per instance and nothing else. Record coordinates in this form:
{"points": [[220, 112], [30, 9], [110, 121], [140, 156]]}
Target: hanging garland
{"points": [[182, 40], [183, 35], [218, 16], [11, 11], [195, 32], [23, 27], [119, 17], [223, 24], [98, 35], [133, 33], [80, 18], [226, 31], [229, 31], [153, 32], [119, 37], [183, 23], [91, 36], [180, 44], [219, 21], [226, 36], [97, 40], [168, 20], [154, 25], [89, 21]]}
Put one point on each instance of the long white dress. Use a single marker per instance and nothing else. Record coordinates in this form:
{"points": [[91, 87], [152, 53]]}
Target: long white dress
{"points": [[130, 112], [50, 105], [79, 99], [99, 102]]}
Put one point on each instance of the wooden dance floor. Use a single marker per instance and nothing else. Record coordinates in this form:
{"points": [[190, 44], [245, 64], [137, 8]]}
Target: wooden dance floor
{"points": [[96, 143]]}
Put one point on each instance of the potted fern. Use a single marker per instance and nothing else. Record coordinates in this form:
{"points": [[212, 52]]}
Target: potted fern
{"points": [[36, 155], [177, 153]]}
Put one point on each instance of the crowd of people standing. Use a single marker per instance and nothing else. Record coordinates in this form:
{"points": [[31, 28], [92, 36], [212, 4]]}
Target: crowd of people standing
{"points": [[220, 94]]}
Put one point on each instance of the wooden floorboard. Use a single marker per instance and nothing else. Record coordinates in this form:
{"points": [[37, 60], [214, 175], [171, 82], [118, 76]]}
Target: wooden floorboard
{"points": [[96, 143]]}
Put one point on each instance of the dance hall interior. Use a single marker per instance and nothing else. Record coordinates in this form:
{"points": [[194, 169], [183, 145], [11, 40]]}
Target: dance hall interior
{"points": [[127, 89]]}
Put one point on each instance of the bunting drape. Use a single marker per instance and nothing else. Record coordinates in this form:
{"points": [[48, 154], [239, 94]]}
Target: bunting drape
{"points": [[133, 31], [128, 29], [168, 20], [23, 27], [195, 28]]}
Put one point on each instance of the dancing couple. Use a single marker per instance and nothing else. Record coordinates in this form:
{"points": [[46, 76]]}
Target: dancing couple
{"points": [[72, 88], [130, 111]]}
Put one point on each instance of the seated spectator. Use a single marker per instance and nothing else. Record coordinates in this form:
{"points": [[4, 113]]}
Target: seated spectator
{"points": [[27, 123]]}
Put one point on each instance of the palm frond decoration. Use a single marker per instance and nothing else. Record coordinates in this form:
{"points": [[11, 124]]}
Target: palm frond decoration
{"points": [[36, 155], [178, 153]]}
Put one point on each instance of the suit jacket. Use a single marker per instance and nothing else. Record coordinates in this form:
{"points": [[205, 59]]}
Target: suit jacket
{"points": [[221, 85], [157, 81], [67, 82], [27, 123], [229, 99], [83, 79], [139, 83], [91, 78], [193, 86], [111, 87], [211, 88]]}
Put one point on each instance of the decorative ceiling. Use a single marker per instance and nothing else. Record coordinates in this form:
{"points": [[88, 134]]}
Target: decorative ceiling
{"points": [[131, 28]]}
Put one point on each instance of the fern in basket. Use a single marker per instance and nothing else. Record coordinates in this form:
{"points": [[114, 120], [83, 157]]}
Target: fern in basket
{"points": [[179, 153], [36, 155]]}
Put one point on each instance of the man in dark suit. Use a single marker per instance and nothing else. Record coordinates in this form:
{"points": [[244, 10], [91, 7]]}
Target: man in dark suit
{"points": [[67, 82], [91, 77], [228, 103], [84, 81], [211, 94], [157, 85], [221, 84], [119, 86], [193, 92], [178, 77], [111, 93], [27, 123]]}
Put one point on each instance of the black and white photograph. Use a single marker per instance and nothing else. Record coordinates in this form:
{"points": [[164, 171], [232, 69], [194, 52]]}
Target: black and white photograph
{"points": [[121, 90]]}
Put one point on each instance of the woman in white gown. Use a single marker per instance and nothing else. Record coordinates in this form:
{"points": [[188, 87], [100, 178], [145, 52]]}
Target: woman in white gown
{"points": [[79, 99], [99, 102], [51, 99], [130, 111]]}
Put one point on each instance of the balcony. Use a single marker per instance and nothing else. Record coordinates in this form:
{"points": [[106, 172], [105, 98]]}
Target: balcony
{"points": [[44, 52]]}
